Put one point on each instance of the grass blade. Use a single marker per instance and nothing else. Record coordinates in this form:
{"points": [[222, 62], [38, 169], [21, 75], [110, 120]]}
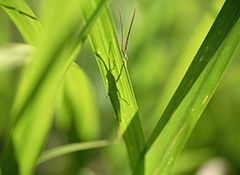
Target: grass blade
{"points": [[105, 45], [208, 82], [70, 148], [193, 94]]}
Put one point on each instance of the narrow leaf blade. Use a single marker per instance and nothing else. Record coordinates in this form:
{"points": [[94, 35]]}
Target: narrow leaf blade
{"points": [[193, 93]]}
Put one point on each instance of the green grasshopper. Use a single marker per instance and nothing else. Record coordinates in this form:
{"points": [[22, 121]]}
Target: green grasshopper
{"points": [[113, 91]]}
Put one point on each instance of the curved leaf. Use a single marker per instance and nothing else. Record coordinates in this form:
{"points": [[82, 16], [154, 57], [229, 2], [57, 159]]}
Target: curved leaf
{"points": [[66, 149]]}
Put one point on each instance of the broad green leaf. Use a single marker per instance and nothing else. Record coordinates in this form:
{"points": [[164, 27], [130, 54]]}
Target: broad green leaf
{"points": [[109, 57], [34, 102], [24, 19], [78, 104], [30, 28], [193, 93]]}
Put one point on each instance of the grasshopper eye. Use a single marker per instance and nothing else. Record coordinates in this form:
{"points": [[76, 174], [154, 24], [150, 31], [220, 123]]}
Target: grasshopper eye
{"points": [[125, 57]]}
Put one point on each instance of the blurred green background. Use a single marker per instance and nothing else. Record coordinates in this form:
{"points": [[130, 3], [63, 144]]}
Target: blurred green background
{"points": [[164, 39]]}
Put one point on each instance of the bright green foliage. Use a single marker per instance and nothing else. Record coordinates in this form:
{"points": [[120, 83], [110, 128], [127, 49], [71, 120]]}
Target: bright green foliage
{"points": [[44, 93], [30, 107], [35, 101]]}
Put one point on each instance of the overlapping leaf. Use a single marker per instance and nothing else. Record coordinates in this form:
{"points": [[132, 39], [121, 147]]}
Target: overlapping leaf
{"points": [[34, 103]]}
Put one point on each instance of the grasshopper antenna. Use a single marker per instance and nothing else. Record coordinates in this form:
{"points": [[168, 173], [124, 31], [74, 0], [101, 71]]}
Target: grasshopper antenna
{"points": [[121, 25], [129, 30]]}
